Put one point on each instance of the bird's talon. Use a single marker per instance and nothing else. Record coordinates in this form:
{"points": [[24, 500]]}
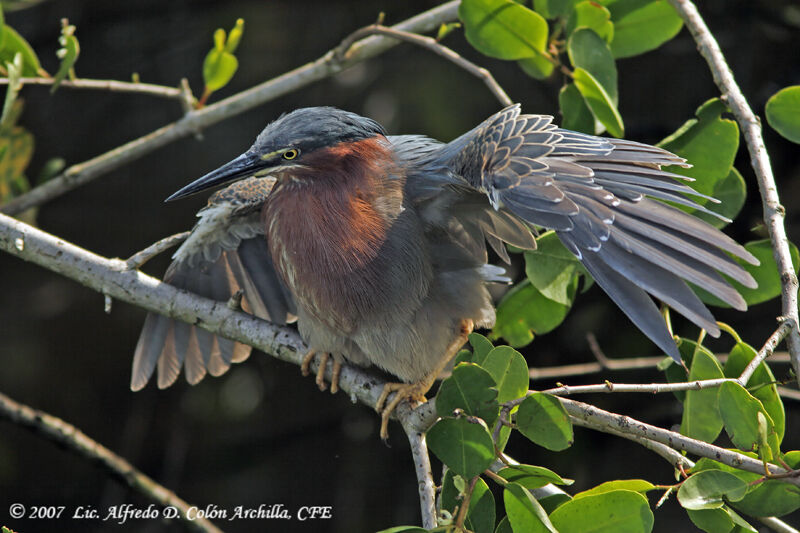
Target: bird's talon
{"points": [[323, 362], [337, 369], [305, 366], [412, 392]]}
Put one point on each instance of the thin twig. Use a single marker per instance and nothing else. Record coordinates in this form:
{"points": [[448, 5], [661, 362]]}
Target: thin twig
{"points": [[425, 484], [464, 507], [140, 258], [72, 438], [673, 457], [190, 124], [656, 388], [774, 212], [772, 342], [434, 46], [628, 425], [107, 85], [616, 364]]}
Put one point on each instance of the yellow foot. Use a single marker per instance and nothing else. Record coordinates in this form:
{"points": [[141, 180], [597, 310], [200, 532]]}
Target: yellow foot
{"points": [[413, 392], [305, 369]]}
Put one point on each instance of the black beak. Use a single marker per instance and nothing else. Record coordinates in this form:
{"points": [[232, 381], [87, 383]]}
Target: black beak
{"points": [[243, 166]]}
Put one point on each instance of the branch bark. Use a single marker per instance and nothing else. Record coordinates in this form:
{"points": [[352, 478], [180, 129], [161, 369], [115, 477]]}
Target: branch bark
{"points": [[72, 438], [774, 212], [195, 121]]}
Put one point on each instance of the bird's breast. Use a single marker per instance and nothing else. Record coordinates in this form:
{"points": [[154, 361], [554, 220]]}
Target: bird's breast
{"points": [[342, 258]]}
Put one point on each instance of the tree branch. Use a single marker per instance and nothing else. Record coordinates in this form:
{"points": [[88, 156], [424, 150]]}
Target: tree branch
{"points": [[434, 46], [108, 85], [195, 121], [425, 483], [73, 439], [616, 423], [774, 212]]}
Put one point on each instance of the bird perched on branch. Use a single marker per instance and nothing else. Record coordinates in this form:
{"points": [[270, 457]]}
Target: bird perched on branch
{"points": [[377, 243]]}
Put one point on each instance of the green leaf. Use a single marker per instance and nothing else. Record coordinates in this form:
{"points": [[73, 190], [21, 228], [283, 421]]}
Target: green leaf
{"points": [[68, 53], [218, 69], [551, 269], [14, 43], [504, 526], [618, 511], [739, 411], [762, 384], [701, 418], [465, 446], [524, 512], [471, 389], [503, 29], [542, 419], [590, 14], [711, 520], [635, 485], [599, 102], [771, 498], [524, 311], [235, 36], [589, 51], [710, 489], [783, 112], [576, 114], [551, 9], [731, 191], [510, 372], [709, 143], [481, 512], [532, 477], [766, 275], [641, 25], [538, 67], [697, 140], [481, 346]]}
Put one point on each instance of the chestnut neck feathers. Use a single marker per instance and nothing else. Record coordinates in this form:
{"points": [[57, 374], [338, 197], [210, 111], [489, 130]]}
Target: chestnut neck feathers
{"points": [[329, 218]]}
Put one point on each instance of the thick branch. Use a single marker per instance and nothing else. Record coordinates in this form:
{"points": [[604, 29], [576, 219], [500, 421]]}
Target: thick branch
{"points": [[774, 212], [425, 484], [74, 439], [193, 122]]}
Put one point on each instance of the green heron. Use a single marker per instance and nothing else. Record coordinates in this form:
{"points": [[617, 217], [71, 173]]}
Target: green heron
{"points": [[376, 244]]}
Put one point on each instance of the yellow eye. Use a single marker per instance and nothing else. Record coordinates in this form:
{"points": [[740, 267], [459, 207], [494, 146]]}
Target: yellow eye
{"points": [[290, 154]]}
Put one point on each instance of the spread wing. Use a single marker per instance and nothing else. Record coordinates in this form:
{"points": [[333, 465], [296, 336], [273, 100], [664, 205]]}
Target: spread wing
{"points": [[601, 198], [225, 252]]}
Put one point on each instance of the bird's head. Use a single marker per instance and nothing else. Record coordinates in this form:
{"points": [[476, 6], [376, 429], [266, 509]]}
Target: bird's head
{"points": [[296, 141]]}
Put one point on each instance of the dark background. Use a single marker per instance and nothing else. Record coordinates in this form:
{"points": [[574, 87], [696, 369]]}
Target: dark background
{"points": [[262, 433]]}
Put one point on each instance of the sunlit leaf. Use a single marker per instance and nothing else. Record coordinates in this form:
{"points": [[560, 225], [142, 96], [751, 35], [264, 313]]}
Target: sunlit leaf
{"points": [[599, 102], [618, 511], [532, 477], [509, 371], [641, 25], [590, 14], [635, 485], [503, 29], [524, 512], [14, 43], [783, 112], [739, 411], [523, 312]]}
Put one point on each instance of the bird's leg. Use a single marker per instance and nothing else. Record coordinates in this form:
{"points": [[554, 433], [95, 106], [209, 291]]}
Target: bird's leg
{"points": [[305, 369], [415, 392]]}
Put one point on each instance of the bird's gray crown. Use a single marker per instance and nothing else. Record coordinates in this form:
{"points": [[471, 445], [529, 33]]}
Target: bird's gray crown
{"points": [[310, 128]]}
